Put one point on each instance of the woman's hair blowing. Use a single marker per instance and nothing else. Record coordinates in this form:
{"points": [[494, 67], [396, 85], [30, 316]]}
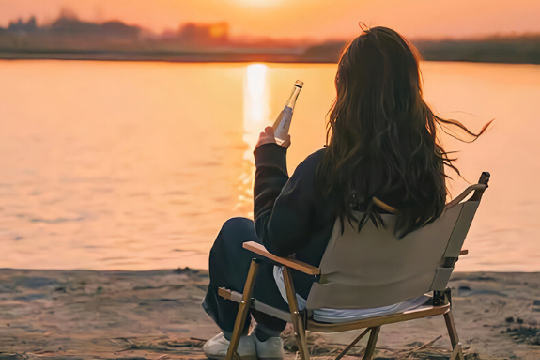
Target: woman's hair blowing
{"points": [[382, 136]]}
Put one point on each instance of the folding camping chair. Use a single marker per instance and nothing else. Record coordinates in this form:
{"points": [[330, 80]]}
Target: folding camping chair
{"points": [[368, 269]]}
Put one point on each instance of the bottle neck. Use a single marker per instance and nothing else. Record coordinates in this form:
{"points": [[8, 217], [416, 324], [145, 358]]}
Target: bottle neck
{"points": [[294, 96]]}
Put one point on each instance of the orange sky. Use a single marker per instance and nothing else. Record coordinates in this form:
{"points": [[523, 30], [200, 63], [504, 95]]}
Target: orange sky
{"points": [[303, 18]]}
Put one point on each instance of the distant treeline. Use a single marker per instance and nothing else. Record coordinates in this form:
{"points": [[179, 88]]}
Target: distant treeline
{"points": [[495, 50], [525, 50]]}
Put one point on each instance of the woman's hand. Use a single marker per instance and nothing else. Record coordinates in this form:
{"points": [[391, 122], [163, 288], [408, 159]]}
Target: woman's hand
{"points": [[267, 137]]}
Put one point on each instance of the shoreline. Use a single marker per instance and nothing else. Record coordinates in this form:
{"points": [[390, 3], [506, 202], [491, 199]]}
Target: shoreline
{"points": [[219, 58], [157, 314]]}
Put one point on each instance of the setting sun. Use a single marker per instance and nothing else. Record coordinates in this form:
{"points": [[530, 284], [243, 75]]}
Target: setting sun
{"points": [[259, 3]]}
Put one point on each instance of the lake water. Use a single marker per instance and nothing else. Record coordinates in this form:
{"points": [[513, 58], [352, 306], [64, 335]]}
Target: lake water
{"points": [[129, 165]]}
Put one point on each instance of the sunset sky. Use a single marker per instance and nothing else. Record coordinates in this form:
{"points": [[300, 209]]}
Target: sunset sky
{"points": [[302, 18]]}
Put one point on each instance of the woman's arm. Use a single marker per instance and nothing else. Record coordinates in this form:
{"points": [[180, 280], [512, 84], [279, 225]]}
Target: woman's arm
{"points": [[283, 206]]}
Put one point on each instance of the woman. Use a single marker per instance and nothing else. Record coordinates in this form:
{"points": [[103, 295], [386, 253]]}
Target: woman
{"points": [[381, 146]]}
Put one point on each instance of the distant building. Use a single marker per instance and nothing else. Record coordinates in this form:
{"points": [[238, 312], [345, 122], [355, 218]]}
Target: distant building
{"points": [[119, 29], [113, 29], [204, 33], [68, 24], [23, 27]]}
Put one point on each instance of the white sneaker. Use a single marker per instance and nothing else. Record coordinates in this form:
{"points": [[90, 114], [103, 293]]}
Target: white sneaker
{"points": [[271, 349], [216, 347]]}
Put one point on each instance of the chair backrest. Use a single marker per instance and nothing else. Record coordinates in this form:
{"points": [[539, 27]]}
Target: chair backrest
{"points": [[372, 268]]}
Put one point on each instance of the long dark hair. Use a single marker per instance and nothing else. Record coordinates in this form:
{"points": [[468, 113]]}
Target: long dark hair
{"points": [[382, 137]]}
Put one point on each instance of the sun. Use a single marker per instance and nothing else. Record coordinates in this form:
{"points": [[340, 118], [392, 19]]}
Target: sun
{"points": [[259, 3]]}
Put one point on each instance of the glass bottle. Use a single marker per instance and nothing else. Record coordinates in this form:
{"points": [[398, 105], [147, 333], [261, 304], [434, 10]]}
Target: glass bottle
{"points": [[283, 121]]}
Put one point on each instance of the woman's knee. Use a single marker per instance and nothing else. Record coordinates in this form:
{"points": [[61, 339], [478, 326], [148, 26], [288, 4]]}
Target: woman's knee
{"points": [[238, 222], [238, 229], [233, 233]]}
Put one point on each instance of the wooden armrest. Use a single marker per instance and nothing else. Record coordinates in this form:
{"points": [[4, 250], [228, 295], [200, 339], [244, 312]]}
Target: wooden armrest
{"points": [[259, 249], [464, 252]]}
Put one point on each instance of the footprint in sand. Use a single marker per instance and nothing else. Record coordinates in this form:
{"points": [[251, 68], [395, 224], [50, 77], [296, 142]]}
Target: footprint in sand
{"points": [[465, 291]]}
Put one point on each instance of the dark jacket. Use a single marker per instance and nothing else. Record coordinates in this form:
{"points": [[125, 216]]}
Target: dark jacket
{"points": [[290, 217]]}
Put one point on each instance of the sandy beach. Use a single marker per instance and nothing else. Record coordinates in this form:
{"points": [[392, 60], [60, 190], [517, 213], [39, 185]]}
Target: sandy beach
{"points": [[157, 315]]}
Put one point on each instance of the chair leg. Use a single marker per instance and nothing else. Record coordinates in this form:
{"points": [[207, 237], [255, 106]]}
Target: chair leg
{"points": [[297, 319], [451, 326], [350, 346], [242, 311], [372, 342], [455, 353]]}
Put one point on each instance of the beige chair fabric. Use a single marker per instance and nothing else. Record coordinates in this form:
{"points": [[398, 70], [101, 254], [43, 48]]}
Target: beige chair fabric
{"points": [[373, 268]]}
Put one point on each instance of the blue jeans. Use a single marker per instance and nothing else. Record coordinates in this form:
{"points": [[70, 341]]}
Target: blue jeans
{"points": [[228, 266]]}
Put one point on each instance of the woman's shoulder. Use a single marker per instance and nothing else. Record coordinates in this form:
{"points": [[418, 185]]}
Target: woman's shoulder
{"points": [[316, 156], [310, 163]]}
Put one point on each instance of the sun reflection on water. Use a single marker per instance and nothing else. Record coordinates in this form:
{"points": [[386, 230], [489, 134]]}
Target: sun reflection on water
{"points": [[256, 115], [256, 107]]}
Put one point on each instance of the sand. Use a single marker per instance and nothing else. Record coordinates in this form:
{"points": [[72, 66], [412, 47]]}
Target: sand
{"points": [[157, 315]]}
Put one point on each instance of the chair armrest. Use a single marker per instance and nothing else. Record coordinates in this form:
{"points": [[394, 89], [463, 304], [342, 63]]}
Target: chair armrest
{"points": [[259, 249]]}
